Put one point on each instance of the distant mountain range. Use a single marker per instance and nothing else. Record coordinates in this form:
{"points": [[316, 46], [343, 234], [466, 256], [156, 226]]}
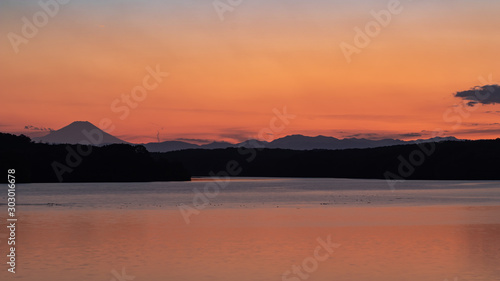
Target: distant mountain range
{"points": [[79, 132], [295, 142]]}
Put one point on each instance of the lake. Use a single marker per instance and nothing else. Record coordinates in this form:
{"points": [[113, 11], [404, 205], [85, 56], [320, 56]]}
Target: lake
{"points": [[257, 229]]}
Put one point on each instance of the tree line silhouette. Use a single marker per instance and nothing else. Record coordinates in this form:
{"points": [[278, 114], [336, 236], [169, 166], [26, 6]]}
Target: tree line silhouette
{"points": [[35, 162], [447, 160]]}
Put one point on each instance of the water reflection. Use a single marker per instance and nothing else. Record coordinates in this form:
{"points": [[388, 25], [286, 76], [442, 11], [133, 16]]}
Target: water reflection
{"points": [[398, 243]]}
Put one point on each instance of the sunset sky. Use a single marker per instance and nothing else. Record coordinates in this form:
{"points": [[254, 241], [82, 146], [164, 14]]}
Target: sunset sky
{"points": [[228, 70]]}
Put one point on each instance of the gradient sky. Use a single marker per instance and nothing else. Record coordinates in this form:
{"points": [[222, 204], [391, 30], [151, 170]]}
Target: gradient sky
{"points": [[227, 76]]}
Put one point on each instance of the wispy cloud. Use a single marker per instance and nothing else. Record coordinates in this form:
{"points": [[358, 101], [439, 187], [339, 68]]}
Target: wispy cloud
{"points": [[480, 124], [411, 135], [34, 128], [378, 136], [363, 135], [132, 138], [485, 131], [493, 112], [193, 140], [360, 116], [424, 134]]}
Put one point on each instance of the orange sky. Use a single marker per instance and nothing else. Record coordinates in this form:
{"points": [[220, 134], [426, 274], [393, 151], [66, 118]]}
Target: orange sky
{"points": [[226, 76]]}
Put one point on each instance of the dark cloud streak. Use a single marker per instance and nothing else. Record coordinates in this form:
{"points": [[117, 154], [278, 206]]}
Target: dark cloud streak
{"points": [[203, 141], [33, 128], [488, 94]]}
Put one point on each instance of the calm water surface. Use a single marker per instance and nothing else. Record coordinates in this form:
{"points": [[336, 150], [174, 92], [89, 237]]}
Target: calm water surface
{"points": [[258, 229]]}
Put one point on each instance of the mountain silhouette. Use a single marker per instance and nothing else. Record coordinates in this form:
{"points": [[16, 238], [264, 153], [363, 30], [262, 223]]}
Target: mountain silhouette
{"points": [[169, 146], [294, 142], [79, 132], [217, 145], [83, 132]]}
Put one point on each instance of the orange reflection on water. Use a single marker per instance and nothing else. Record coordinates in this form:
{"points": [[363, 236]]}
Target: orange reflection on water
{"points": [[397, 243]]}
